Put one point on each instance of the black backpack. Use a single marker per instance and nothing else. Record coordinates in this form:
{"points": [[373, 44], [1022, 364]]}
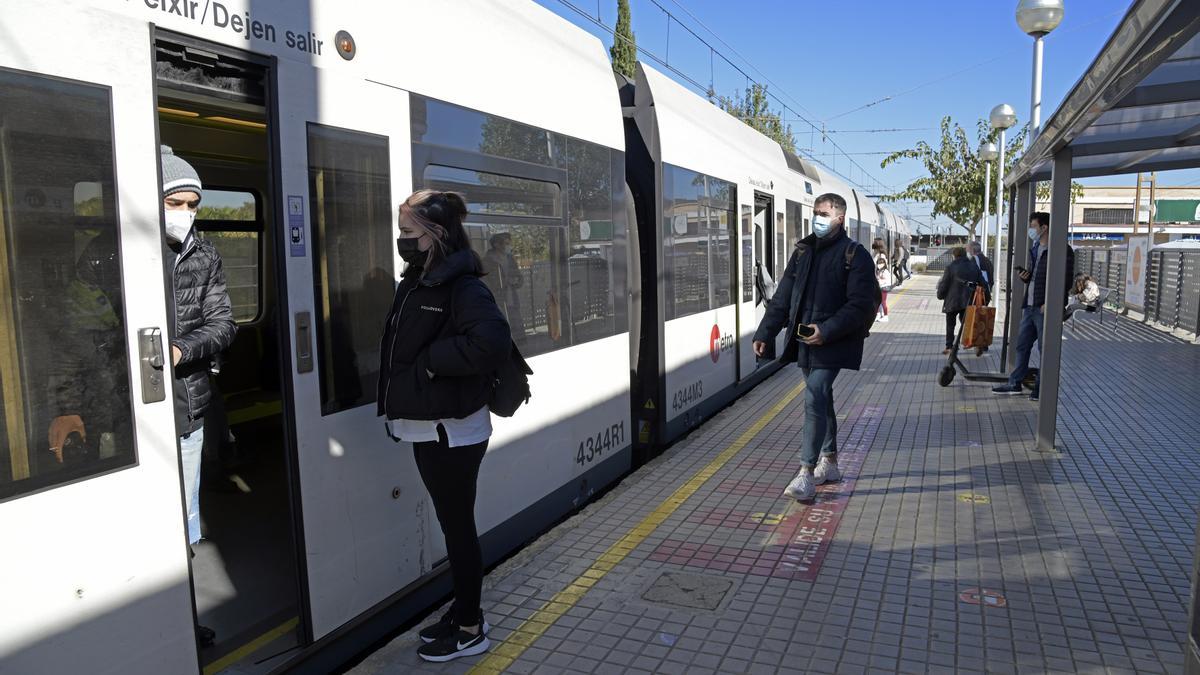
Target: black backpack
{"points": [[850, 251], [510, 384]]}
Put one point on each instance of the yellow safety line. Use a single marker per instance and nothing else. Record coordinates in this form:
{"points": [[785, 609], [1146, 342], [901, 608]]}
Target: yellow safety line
{"points": [[532, 628], [251, 647]]}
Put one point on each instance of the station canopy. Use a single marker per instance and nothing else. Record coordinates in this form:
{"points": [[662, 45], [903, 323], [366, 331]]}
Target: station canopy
{"points": [[1137, 107]]}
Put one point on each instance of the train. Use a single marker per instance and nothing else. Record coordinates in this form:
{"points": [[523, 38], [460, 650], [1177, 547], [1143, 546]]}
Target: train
{"points": [[646, 224]]}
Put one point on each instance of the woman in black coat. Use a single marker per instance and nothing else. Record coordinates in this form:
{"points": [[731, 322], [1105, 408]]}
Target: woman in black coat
{"points": [[955, 294], [443, 336]]}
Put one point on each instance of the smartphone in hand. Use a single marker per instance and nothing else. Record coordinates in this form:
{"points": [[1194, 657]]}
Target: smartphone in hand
{"points": [[804, 330]]}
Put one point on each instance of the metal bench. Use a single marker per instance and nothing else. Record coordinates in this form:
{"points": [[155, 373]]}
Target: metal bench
{"points": [[1096, 308]]}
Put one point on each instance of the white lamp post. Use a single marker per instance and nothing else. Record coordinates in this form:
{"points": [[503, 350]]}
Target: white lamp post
{"points": [[987, 153], [1037, 18], [1002, 117]]}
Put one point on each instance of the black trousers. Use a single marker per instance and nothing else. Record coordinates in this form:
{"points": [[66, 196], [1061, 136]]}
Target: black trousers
{"points": [[450, 476], [951, 329]]}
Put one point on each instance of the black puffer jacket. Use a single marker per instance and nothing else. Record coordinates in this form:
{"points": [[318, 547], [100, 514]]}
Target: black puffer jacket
{"points": [[446, 323], [204, 327]]}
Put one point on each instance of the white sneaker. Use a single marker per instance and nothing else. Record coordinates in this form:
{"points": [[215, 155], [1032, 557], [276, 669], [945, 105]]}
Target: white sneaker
{"points": [[826, 472], [801, 488], [883, 319]]}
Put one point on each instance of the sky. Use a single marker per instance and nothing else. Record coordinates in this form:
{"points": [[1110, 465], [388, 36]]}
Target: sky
{"points": [[833, 62]]}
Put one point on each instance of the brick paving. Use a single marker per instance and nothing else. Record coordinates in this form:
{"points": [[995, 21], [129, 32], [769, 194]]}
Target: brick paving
{"points": [[951, 545]]}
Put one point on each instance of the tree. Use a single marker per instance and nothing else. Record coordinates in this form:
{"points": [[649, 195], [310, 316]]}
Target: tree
{"points": [[955, 184], [957, 177], [624, 48], [754, 108]]}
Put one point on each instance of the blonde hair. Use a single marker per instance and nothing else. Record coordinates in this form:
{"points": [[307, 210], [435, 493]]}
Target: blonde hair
{"points": [[440, 215]]}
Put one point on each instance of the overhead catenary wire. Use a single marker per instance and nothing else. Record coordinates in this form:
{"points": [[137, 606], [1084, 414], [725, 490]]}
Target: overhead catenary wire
{"points": [[700, 88]]}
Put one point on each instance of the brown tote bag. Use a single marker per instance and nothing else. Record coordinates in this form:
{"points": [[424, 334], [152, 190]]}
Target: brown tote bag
{"points": [[979, 322]]}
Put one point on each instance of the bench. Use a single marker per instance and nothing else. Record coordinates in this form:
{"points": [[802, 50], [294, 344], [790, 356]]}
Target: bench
{"points": [[1096, 307]]}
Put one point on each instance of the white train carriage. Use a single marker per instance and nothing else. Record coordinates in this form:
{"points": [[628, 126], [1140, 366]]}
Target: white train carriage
{"points": [[308, 124]]}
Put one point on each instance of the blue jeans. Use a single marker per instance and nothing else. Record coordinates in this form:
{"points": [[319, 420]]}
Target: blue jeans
{"points": [[191, 447], [1031, 331], [820, 419]]}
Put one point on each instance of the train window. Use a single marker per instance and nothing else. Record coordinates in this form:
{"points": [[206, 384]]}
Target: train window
{"points": [[780, 246], [230, 219], [552, 242], [697, 226], [64, 378], [792, 224], [439, 123], [353, 241], [747, 254], [495, 194]]}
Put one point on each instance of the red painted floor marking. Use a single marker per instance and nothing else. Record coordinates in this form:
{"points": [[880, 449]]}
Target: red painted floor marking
{"points": [[798, 544], [983, 596]]}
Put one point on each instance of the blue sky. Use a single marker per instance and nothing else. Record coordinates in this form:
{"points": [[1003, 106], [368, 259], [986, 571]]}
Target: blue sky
{"points": [[934, 58]]}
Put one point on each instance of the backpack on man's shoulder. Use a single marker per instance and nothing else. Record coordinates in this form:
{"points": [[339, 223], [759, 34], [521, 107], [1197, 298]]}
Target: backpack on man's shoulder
{"points": [[850, 251]]}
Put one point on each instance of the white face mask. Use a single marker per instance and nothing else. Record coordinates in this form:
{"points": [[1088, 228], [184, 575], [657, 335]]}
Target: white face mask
{"points": [[179, 223]]}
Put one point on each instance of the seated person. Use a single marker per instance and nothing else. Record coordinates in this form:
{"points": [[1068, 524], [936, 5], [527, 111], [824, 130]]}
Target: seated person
{"points": [[1084, 294]]}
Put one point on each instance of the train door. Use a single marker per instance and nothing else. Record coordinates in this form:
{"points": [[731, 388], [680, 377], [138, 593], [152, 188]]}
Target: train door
{"points": [[215, 110], [764, 253], [367, 529], [95, 570]]}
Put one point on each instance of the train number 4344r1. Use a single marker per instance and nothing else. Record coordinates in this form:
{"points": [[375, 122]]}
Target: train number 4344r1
{"points": [[594, 446]]}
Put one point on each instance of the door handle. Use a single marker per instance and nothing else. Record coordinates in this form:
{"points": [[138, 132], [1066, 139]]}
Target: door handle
{"points": [[304, 359], [150, 359]]}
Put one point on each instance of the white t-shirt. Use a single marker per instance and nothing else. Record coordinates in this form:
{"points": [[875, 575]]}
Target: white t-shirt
{"points": [[472, 429]]}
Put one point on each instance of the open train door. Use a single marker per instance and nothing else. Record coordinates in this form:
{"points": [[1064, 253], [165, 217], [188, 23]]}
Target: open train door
{"points": [[94, 575], [345, 169]]}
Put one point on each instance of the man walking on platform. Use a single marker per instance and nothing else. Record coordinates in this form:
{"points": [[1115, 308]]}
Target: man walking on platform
{"points": [[826, 300], [984, 265], [1033, 302]]}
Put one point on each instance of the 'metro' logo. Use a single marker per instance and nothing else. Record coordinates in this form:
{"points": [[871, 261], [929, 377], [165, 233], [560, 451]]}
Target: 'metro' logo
{"points": [[718, 343]]}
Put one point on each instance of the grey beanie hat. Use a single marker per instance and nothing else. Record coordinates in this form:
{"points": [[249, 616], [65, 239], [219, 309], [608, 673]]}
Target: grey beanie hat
{"points": [[178, 175]]}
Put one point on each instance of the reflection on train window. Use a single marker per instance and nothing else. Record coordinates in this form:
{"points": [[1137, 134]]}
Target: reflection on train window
{"points": [[553, 250], [64, 378], [350, 190], [698, 228], [792, 224], [232, 221], [494, 194], [747, 254], [438, 123], [239, 259], [781, 248]]}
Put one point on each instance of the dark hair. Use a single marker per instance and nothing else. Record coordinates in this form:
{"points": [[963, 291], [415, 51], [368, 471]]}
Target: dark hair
{"points": [[440, 214], [958, 252], [500, 238], [878, 245], [1041, 217], [834, 200]]}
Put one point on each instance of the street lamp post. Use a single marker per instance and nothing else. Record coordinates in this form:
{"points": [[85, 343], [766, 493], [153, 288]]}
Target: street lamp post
{"points": [[987, 153], [1002, 117], [1037, 18]]}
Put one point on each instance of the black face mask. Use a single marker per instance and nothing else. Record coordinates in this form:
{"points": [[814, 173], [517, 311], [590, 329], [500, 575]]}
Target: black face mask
{"points": [[410, 251]]}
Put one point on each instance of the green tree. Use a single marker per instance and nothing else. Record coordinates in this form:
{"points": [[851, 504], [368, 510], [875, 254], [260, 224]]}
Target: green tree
{"points": [[624, 48], [955, 184], [754, 108]]}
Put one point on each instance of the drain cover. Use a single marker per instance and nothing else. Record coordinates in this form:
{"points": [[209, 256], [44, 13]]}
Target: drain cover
{"points": [[696, 591]]}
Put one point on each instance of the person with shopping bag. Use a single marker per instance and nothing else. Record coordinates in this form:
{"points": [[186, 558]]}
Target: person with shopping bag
{"points": [[955, 293]]}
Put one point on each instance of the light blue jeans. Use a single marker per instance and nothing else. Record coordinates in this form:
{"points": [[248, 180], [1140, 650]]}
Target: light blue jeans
{"points": [[191, 447], [820, 419]]}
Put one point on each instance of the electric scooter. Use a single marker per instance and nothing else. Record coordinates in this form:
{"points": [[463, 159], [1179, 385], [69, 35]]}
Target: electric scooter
{"points": [[953, 363]]}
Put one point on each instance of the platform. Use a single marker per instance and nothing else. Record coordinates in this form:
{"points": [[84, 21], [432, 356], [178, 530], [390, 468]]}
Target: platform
{"points": [[951, 545]]}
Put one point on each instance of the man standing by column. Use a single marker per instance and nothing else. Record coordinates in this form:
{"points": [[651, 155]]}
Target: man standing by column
{"points": [[826, 300], [1034, 301]]}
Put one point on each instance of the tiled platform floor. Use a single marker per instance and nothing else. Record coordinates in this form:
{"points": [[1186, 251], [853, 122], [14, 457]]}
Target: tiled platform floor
{"points": [[951, 546]]}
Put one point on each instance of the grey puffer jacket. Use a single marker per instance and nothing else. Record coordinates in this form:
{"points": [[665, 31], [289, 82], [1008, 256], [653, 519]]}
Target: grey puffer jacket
{"points": [[204, 327]]}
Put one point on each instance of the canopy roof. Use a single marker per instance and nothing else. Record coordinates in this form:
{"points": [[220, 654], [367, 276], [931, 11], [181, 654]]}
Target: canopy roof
{"points": [[1137, 107]]}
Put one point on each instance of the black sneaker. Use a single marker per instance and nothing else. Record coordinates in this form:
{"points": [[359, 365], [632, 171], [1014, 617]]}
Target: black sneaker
{"points": [[450, 647], [1007, 389], [446, 626], [206, 636], [1033, 395]]}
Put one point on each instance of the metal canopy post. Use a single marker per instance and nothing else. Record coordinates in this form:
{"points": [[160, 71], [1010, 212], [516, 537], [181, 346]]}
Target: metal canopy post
{"points": [[1056, 293], [1018, 254]]}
